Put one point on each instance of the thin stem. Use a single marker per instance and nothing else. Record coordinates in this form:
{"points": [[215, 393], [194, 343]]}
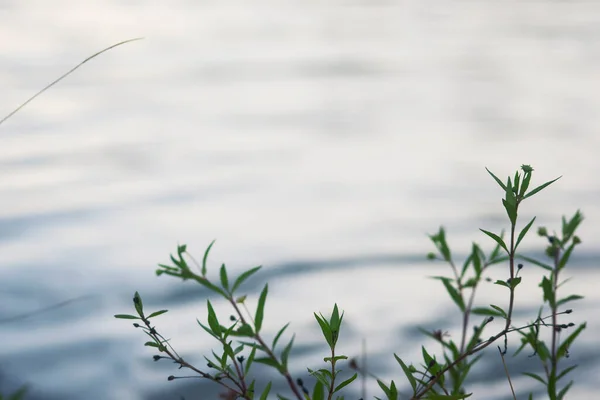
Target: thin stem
{"points": [[555, 329], [512, 389], [54, 82], [511, 257], [332, 384], [267, 350]]}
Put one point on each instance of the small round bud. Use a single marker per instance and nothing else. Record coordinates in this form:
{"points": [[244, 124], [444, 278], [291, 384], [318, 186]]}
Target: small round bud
{"points": [[431, 256], [576, 240], [542, 231], [520, 266], [170, 378], [232, 317]]}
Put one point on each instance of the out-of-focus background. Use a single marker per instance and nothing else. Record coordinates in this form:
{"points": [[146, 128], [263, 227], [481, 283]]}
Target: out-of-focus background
{"points": [[323, 140]]}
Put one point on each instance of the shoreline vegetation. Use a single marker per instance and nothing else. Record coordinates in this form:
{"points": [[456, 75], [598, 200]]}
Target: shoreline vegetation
{"points": [[548, 335], [439, 375]]}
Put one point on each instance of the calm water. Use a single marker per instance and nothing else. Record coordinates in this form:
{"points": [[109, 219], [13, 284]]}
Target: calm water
{"points": [[322, 142]]}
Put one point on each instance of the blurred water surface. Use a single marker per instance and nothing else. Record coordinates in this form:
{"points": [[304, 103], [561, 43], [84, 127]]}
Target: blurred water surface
{"points": [[322, 141]]}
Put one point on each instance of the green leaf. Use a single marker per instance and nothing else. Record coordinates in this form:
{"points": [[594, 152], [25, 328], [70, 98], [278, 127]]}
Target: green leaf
{"points": [[139, 306], [126, 316], [345, 383], [260, 309], [390, 392], [265, 393], [509, 195], [245, 330], [286, 352], [567, 299], [565, 372], [500, 310], [270, 362], [476, 259], [536, 262], [213, 322], [498, 181], [409, 375], [541, 187], [496, 238], [454, 294], [151, 344], [156, 313], [426, 357], [318, 391], [439, 240], [206, 257], [279, 335], [336, 358], [536, 377], [320, 376], [206, 283], [243, 277], [223, 276], [208, 330], [564, 346], [524, 232], [325, 329], [565, 257], [511, 211], [515, 282], [335, 320], [486, 311], [564, 390], [501, 283], [516, 181], [250, 360], [546, 286]]}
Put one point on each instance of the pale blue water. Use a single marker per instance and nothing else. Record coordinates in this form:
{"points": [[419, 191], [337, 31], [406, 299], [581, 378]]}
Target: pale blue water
{"points": [[321, 141]]}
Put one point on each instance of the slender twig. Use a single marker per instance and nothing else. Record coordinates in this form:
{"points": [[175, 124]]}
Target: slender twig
{"points": [[507, 374], [267, 350], [54, 82]]}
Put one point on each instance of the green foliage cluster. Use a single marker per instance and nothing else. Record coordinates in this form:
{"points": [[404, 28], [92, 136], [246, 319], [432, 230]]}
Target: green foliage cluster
{"points": [[243, 345]]}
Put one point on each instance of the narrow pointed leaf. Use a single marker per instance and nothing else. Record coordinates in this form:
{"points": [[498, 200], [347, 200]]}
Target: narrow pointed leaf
{"points": [[276, 339], [498, 181], [206, 257], [126, 316], [260, 309], [243, 277], [224, 278], [409, 375], [318, 391], [345, 383], [536, 377], [496, 238], [265, 393], [286, 352], [157, 313], [541, 187], [213, 322], [524, 232]]}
